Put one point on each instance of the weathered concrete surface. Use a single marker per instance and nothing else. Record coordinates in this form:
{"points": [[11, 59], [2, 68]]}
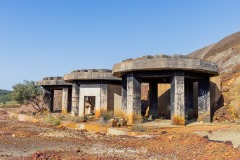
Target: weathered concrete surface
{"points": [[114, 99], [124, 97], [75, 99], [162, 62], [204, 100], [164, 99], [93, 90], [53, 81], [91, 74], [133, 99], [103, 100], [177, 96], [65, 100]]}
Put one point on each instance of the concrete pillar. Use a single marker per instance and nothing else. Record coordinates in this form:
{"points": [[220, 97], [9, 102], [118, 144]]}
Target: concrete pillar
{"points": [[75, 99], [124, 97], [133, 99], [153, 99], [103, 100], [204, 100], [69, 109], [65, 100], [177, 98], [51, 100], [189, 100]]}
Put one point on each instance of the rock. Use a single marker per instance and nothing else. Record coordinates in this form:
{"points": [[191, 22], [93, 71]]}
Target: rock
{"points": [[206, 137], [164, 132], [228, 143]]}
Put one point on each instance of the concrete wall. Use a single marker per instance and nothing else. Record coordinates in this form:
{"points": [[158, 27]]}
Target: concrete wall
{"points": [[114, 99], [215, 89], [164, 99], [89, 90], [57, 100]]}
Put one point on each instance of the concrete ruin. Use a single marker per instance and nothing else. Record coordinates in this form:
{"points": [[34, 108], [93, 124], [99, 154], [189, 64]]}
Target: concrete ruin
{"points": [[94, 91], [51, 84], [161, 86], [187, 79], [86, 92]]}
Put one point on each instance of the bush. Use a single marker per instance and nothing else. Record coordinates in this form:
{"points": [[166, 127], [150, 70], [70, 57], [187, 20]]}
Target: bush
{"points": [[177, 120], [80, 119], [138, 127], [106, 116], [52, 120]]}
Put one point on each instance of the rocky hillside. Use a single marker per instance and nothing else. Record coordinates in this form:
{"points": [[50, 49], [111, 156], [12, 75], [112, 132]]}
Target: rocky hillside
{"points": [[226, 53]]}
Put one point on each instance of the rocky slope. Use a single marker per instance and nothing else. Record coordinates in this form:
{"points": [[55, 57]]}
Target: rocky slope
{"points": [[226, 53]]}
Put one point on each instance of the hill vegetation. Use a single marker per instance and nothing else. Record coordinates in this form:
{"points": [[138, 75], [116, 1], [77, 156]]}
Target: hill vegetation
{"points": [[5, 96]]}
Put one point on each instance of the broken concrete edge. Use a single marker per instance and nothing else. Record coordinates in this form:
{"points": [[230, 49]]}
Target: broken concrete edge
{"points": [[53, 81], [90, 74], [158, 63]]}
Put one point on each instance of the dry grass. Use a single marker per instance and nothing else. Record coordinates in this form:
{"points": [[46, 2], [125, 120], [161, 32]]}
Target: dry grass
{"points": [[106, 116], [55, 121], [177, 120], [138, 127]]}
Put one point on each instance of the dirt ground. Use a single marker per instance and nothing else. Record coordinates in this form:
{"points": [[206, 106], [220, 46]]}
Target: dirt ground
{"points": [[23, 141]]}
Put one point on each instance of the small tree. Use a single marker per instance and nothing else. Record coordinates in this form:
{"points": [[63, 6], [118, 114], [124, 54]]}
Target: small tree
{"points": [[30, 93]]}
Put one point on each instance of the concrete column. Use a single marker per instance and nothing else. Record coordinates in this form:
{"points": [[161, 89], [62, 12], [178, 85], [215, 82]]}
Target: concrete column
{"points": [[189, 100], [75, 99], [133, 99], [177, 97], [103, 100], [124, 97], [51, 100], [204, 100], [64, 100], [69, 109], [153, 99]]}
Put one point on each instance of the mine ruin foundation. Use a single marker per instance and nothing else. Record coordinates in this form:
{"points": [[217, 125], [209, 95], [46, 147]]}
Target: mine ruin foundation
{"points": [[153, 87]]}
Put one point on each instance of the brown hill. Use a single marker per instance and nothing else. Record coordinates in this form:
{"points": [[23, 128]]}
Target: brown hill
{"points": [[226, 53]]}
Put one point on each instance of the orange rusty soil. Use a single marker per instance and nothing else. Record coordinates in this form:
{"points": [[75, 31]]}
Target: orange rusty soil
{"points": [[21, 140]]}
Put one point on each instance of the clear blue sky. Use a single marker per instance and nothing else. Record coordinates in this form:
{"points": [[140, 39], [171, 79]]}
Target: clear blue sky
{"points": [[41, 38]]}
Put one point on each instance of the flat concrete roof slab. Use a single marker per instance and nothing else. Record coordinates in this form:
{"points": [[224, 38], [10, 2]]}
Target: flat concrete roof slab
{"points": [[90, 74], [53, 81], [165, 62]]}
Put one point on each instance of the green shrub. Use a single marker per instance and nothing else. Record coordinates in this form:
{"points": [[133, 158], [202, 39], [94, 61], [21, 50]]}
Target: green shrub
{"points": [[106, 116], [52, 120]]}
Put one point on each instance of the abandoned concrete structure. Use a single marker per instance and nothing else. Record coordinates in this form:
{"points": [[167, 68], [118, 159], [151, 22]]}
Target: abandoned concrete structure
{"points": [[57, 83], [94, 91], [86, 92], [187, 78]]}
